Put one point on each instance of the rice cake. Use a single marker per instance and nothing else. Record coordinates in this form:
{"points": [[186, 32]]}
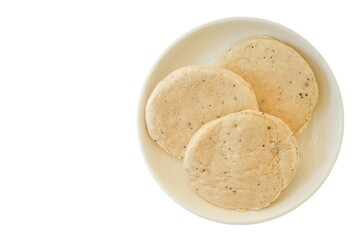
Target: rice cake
{"points": [[190, 97], [283, 81], [241, 161]]}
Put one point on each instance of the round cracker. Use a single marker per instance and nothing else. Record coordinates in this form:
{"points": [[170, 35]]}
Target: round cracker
{"points": [[242, 161], [283, 81], [190, 97]]}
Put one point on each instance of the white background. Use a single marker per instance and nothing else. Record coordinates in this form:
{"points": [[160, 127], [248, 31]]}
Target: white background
{"points": [[71, 74]]}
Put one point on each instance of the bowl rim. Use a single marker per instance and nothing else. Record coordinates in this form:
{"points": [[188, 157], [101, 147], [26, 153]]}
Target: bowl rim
{"points": [[330, 77]]}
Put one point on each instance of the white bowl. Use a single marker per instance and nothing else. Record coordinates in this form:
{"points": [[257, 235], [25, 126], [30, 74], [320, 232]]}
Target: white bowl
{"points": [[319, 143]]}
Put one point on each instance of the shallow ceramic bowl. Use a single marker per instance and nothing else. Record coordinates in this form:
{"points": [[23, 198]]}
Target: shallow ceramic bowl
{"points": [[319, 143]]}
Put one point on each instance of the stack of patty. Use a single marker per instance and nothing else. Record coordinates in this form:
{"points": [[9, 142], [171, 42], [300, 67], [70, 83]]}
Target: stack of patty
{"points": [[235, 124]]}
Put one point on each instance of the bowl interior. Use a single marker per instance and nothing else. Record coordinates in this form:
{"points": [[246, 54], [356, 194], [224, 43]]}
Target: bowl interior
{"points": [[319, 143]]}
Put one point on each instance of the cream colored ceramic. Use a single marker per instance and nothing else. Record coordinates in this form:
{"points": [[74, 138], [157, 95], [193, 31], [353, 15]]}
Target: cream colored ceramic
{"points": [[319, 143]]}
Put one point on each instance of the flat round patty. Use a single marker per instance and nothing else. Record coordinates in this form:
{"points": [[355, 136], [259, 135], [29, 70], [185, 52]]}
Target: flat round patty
{"points": [[189, 98], [282, 80], [241, 161]]}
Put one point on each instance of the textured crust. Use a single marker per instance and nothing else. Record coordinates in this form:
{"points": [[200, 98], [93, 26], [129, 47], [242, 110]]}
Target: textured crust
{"points": [[242, 161], [190, 97], [282, 80]]}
